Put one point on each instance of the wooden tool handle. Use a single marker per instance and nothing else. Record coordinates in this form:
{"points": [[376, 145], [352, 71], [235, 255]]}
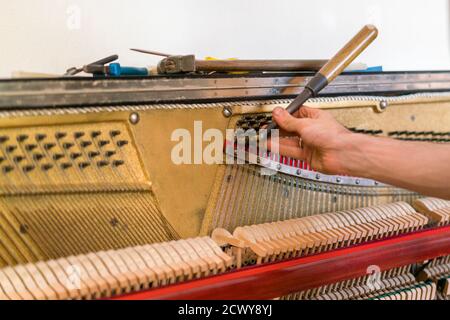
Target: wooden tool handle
{"points": [[349, 52], [258, 65], [332, 68]]}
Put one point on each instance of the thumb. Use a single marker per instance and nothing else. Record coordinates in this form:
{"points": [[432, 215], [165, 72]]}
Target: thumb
{"points": [[286, 121]]}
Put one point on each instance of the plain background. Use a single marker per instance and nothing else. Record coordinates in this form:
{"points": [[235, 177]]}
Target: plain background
{"points": [[52, 35]]}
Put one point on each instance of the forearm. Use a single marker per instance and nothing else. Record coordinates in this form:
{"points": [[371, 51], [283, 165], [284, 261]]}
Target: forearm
{"points": [[418, 166]]}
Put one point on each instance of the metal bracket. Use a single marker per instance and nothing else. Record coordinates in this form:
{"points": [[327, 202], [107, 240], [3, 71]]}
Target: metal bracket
{"points": [[177, 64]]}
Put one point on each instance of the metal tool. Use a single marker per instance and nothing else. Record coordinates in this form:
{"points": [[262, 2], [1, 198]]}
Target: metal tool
{"points": [[74, 70], [332, 68], [188, 63], [155, 53]]}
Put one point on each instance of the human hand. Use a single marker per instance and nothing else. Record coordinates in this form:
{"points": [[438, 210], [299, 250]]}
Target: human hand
{"points": [[317, 138]]}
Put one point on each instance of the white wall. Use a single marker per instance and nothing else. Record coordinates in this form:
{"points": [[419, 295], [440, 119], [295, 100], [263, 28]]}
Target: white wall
{"points": [[51, 35]]}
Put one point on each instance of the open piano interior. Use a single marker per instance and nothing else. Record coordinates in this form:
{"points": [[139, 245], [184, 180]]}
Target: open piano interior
{"points": [[91, 205]]}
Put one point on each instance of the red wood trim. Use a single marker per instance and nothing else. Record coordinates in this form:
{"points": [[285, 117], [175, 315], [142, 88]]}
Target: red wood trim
{"points": [[276, 279]]}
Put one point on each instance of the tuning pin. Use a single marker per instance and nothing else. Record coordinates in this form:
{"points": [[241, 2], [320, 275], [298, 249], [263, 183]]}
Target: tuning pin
{"points": [[18, 159], [102, 143], [7, 169], [122, 143], [60, 135], [102, 163], [95, 134], [30, 147], [58, 156], [117, 163], [49, 146], [75, 155], [83, 165], [40, 136], [46, 166], [78, 134], [66, 165], [93, 154], [28, 168], [10, 149], [85, 144], [67, 145], [114, 133], [38, 156], [22, 137]]}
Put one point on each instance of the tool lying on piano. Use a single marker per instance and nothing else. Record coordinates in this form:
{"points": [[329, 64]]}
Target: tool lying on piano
{"points": [[74, 70], [188, 63], [332, 68], [100, 69]]}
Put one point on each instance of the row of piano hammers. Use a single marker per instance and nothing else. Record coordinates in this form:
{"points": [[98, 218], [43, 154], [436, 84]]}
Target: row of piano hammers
{"points": [[109, 273]]}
